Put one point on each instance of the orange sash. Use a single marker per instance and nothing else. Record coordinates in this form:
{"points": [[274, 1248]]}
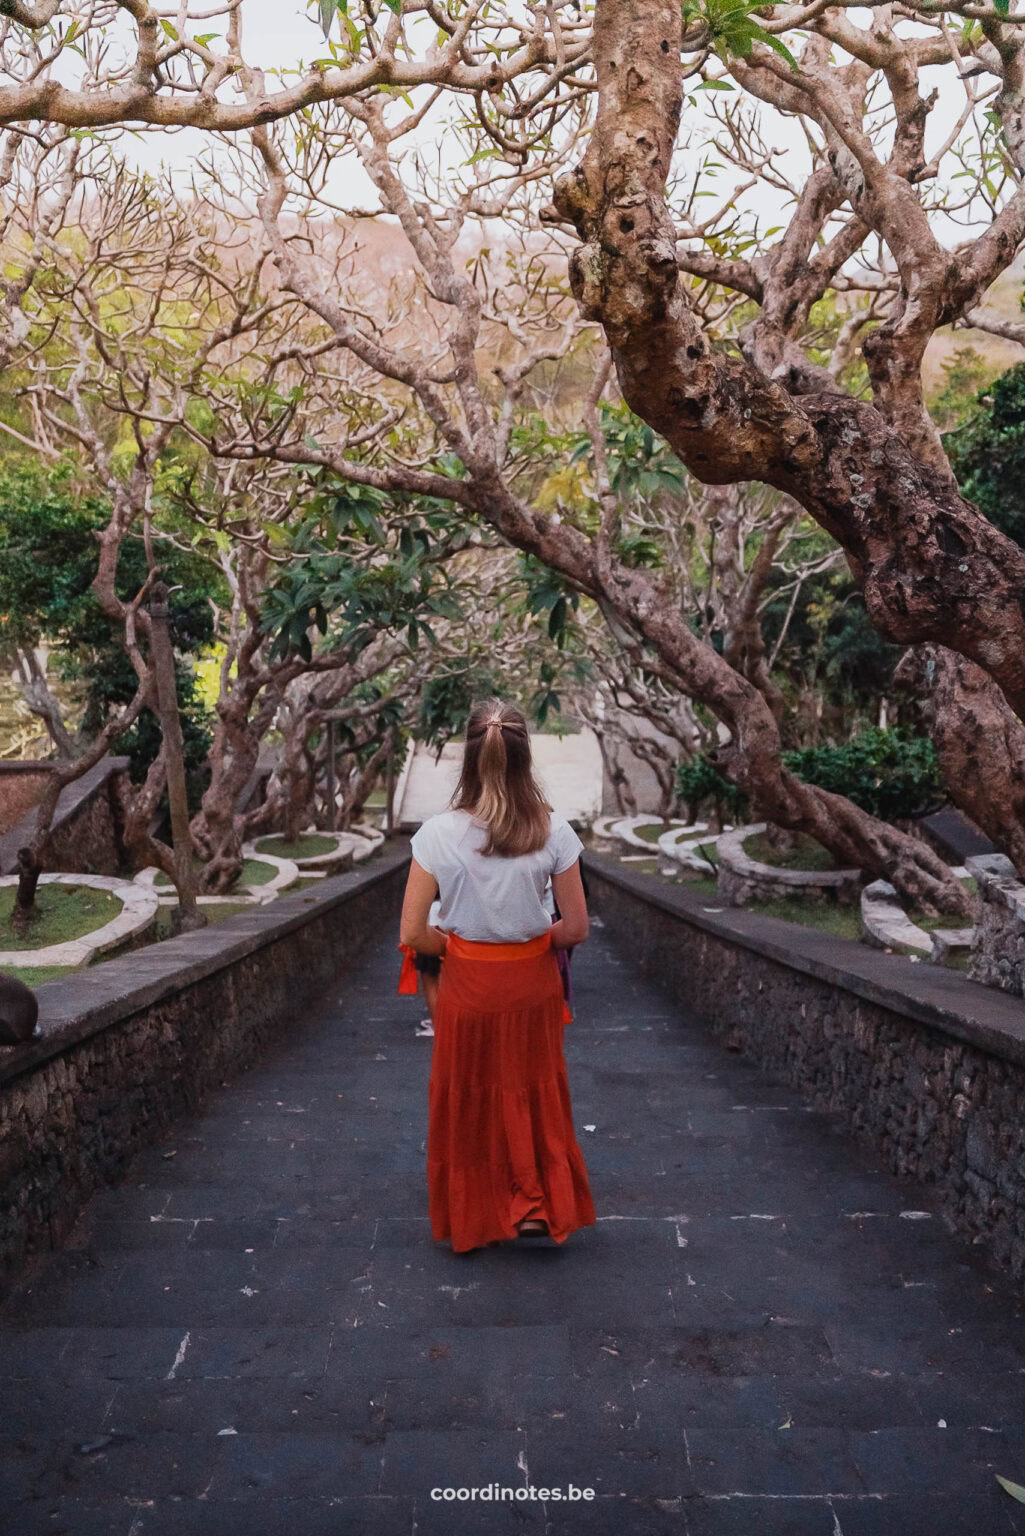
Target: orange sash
{"points": [[409, 977], [471, 949]]}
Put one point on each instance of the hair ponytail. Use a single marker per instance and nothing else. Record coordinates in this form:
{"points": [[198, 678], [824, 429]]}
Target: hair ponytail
{"points": [[497, 784]]}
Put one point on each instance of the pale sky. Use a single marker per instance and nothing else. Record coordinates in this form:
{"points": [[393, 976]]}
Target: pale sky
{"points": [[280, 33]]}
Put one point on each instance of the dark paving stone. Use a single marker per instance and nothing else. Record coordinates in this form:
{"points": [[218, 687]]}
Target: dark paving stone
{"points": [[296, 1464], [105, 1466], [502, 1519], [742, 1516], [276, 1517], [255, 1333], [764, 1350], [414, 1461], [86, 1355], [787, 1462], [614, 1515], [608, 1447], [953, 1514], [933, 1460]]}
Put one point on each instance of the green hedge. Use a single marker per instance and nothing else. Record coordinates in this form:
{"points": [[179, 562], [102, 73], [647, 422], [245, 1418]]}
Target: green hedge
{"points": [[891, 774]]}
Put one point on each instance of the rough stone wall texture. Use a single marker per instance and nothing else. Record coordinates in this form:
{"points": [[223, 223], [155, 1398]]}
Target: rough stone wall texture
{"points": [[938, 1108], [998, 950], [21, 784], [101, 1086], [88, 841], [85, 836]]}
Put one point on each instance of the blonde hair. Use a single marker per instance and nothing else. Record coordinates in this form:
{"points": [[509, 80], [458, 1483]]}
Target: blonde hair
{"points": [[497, 784]]}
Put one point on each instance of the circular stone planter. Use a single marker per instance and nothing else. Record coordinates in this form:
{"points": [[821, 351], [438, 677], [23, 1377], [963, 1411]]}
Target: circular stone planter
{"points": [[168, 897], [602, 840], [885, 924], [678, 849], [286, 874], [623, 831], [367, 840], [330, 862], [137, 916], [743, 879]]}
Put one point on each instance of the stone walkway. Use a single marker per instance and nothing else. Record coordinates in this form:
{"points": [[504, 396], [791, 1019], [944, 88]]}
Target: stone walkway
{"points": [[764, 1334]]}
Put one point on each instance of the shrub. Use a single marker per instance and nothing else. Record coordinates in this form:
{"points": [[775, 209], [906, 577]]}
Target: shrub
{"points": [[699, 782], [891, 773]]}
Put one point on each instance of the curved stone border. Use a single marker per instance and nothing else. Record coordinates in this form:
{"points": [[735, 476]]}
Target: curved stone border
{"points": [[678, 849], [885, 924], [623, 830], [336, 859], [168, 897], [743, 879], [370, 839], [138, 914], [287, 873]]}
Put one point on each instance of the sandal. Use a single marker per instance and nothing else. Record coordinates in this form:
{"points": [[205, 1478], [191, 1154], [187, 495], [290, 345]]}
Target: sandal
{"points": [[532, 1229]]}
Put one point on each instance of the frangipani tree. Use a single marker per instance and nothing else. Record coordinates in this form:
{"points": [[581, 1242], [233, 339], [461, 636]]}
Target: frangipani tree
{"points": [[716, 333]]}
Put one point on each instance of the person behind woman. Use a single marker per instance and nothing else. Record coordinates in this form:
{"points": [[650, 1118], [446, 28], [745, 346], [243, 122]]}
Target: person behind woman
{"points": [[502, 1157]]}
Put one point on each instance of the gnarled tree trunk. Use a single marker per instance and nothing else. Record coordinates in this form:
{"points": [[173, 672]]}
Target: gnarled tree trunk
{"points": [[981, 743]]}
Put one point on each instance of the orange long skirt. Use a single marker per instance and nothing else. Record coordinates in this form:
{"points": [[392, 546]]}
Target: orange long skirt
{"points": [[501, 1147]]}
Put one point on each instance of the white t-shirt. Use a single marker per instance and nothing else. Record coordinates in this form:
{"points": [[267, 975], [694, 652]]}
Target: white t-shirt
{"points": [[491, 899]]}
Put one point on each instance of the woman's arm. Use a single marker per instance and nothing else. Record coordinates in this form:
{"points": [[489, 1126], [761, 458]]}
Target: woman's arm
{"points": [[572, 927], [414, 929]]}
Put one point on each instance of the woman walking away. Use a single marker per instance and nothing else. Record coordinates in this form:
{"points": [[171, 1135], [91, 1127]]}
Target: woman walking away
{"points": [[502, 1158]]}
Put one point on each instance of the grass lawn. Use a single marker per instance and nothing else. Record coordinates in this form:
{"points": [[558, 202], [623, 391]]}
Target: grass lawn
{"points": [[643, 866], [310, 846], [35, 975], [65, 912], [254, 872], [826, 916], [651, 831], [700, 885], [806, 854], [218, 913]]}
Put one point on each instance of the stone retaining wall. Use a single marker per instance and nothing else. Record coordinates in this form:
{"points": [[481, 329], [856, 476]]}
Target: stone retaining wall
{"points": [[923, 1064], [21, 785], [133, 1044], [998, 954], [85, 837]]}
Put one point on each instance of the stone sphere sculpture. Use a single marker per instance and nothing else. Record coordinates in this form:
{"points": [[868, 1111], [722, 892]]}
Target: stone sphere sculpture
{"points": [[19, 1011]]}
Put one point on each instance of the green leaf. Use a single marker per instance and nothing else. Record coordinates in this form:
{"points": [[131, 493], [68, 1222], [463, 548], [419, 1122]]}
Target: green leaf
{"points": [[1014, 1489], [328, 10], [170, 29], [713, 85], [394, 5], [557, 618], [773, 42], [1004, 7]]}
